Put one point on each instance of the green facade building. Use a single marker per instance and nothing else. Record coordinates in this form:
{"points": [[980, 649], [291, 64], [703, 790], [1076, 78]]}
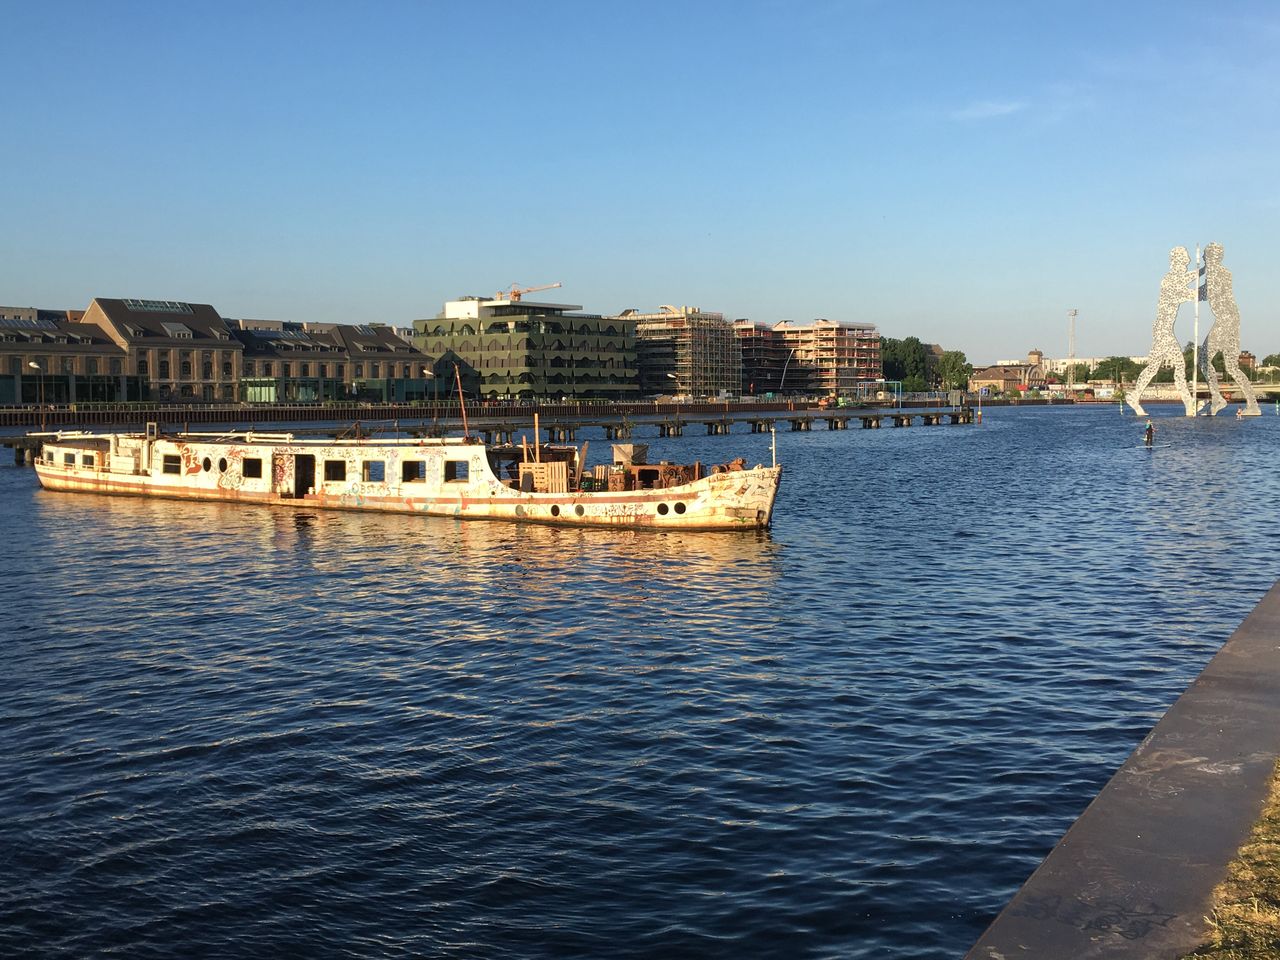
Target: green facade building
{"points": [[518, 349]]}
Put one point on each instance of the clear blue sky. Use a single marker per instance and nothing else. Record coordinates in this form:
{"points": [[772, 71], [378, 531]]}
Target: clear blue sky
{"points": [[962, 173]]}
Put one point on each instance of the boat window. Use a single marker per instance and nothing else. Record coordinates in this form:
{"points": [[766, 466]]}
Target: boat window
{"points": [[206, 464], [222, 464], [252, 467], [87, 460], [375, 471], [69, 459], [172, 463], [335, 470], [413, 471], [455, 471]]}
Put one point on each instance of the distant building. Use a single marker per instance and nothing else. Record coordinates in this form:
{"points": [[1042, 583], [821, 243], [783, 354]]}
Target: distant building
{"points": [[1005, 377], [180, 351], [765, 358], [302, 362], [686, 350], [511, 347], [50, 356], [824, 357]]}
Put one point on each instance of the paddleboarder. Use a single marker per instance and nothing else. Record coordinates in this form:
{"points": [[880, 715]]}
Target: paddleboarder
{"points": [[1149, 435]]}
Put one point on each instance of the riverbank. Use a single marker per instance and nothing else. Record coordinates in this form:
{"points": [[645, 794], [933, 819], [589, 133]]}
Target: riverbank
{"points": [[1135, 876]]}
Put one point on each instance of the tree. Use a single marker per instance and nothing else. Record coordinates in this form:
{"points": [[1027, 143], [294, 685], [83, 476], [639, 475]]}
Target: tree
{"points": [[1119, 369], [903, 359], [1271, 360], [954, 370]]}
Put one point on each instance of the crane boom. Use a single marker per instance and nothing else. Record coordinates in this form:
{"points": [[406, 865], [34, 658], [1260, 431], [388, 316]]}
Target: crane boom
{"points": [[516, 292]]}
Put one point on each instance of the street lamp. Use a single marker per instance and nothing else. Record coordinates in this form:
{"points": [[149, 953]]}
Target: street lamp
{"points": [[40, 386], [783, 379]]}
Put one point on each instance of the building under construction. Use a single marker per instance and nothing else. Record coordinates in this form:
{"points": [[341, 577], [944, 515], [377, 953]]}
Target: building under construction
{"points": [[686, 350], [822, 357]]}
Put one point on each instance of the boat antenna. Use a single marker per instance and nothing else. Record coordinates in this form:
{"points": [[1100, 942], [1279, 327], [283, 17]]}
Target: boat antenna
{"points": [[462, 403]]}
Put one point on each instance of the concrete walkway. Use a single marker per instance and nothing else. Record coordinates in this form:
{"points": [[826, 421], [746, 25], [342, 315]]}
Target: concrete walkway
{"points": [[1133, 876]]}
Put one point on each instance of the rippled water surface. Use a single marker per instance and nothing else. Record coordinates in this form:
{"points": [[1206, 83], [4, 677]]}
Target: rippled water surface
{"points": [[246, 731]]}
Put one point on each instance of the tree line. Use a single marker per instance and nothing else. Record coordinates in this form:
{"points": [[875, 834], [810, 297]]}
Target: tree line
{"points": [[1122, 369], [909, 361]]}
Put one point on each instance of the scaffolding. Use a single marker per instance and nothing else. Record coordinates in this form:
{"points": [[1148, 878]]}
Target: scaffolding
{"points": [[687, 351]]}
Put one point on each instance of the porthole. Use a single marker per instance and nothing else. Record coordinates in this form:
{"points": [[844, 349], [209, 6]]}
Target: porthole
{"points": [[206, 465], [222, 465], [555, 509], [579, 510], [519, 510], [663, 509], [680, 508]]}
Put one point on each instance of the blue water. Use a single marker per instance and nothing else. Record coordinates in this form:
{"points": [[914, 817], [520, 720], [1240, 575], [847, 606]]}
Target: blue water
{"points": [[250, 732]]}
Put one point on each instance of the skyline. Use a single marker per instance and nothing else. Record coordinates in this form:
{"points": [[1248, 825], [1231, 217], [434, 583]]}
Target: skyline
{"points": [[964, 182]]}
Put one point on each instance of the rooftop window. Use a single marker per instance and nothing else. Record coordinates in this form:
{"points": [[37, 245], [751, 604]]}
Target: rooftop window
{"points": [[28, 323], [158, 306]]}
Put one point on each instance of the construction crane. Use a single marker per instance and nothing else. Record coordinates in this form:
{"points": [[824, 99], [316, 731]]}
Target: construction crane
{"points": [[515, 293]]}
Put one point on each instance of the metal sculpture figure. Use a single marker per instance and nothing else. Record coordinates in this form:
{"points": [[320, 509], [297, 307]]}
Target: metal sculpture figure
{"points": [[1224, 335], [1176, 288]]}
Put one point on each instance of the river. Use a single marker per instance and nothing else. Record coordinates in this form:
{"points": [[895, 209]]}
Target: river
{"points": [[257, 732]]}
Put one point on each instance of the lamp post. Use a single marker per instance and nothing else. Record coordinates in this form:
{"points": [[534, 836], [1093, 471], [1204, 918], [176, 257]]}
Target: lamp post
{"points": [[677, 380], [40, 388], [435, 399], [782, 380]]}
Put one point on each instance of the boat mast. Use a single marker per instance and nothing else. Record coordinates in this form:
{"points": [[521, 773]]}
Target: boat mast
{"points": [[462, 403]]}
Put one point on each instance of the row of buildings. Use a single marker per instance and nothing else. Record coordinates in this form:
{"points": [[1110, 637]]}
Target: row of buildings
{"points": [[1038, 372], [507, 347]]}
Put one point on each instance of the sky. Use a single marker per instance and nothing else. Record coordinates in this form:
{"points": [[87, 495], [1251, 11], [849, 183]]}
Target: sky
{"points": [[965, 174]]}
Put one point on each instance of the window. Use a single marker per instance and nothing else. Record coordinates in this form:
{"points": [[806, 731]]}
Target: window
{"points": [[340, 371], [306, 370], [335, 470], [413, 471], [359, 370], [68, 365], [375, 471], [164, 369], [185, 369], [248, 368], [455, 471], [143, 369], [322, 370], [91, 366], [252, 468], [266, 368], [172, 463], [69, 459], [206, 371], [405, 372], [88, 460], [226, 368], [373, 371]]}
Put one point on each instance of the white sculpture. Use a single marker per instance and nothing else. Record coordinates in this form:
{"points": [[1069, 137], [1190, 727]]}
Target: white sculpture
{"points": [[1176, 288], [1224, 335]]}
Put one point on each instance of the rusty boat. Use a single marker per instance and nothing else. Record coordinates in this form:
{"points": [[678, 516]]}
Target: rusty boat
{"points": [[434, 476]]}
